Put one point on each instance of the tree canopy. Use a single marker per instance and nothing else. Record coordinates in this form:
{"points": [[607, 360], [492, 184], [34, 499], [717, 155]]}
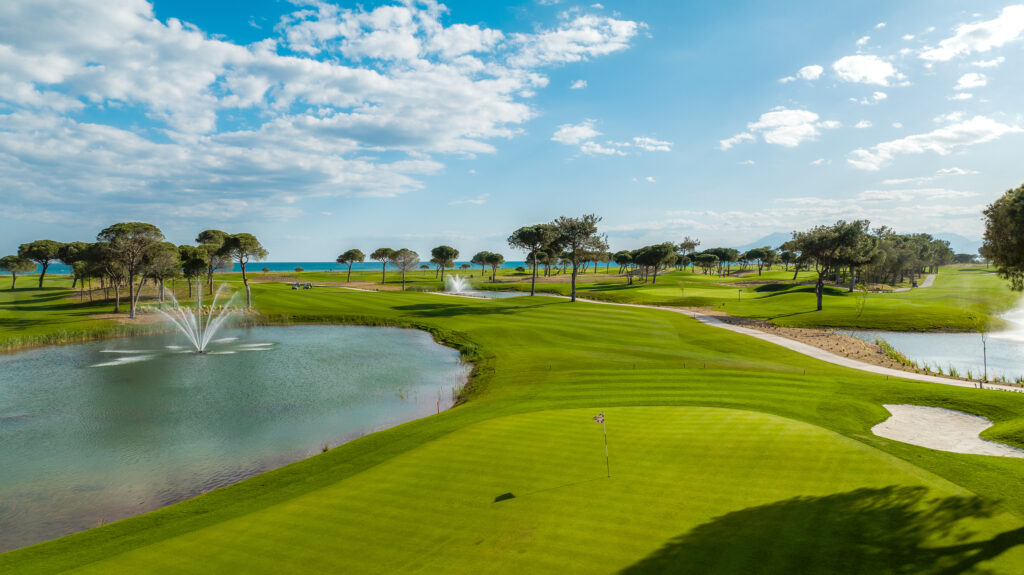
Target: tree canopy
{"points": [[1004, 236], [127, 242], [351, 257], [42, 252], [578, 237], [533, 239], [16, 265]]}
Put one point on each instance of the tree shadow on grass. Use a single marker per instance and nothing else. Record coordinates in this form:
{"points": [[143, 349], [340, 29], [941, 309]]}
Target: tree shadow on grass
{"points": [[899, 530], [449, 310]]}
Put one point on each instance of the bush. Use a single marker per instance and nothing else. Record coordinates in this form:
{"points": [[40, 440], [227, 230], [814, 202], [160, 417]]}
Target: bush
{"points": [[299, 270], [520, 269]]}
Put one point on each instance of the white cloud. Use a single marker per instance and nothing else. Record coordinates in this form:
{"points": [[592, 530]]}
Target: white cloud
{"points": [[880, 25], [979, 36], [989, 63], [820, 162], [388, 90], [573, 134], [956, 172], [971, 80], [897, 125], [961, 96], [863, 40], [786, 127], [918, 194], [746, 163], [942, 141], [574, 40], [863, 124], [591, 147], [477, 201], [578, 85], [908, 37], [879, 96], [812, 72], [865, 69], [650, 179], [652, 145], [728, 143]]}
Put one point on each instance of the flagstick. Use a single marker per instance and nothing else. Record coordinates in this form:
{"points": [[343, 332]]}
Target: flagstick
{"points": [[607, 465]]}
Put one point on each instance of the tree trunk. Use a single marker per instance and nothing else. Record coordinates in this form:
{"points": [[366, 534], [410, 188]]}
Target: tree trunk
{"points": [[161, 290], [245, 282], [74, 280], [383, 268], [442, 274], [14, 280], [573, 297], [819, 289], [349, 278], [533, 278], [117, 297], [43, 274], [654, 278], [131, 295], [853, 280]]}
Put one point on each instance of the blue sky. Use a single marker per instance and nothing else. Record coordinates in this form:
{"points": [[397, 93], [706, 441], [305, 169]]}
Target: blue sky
{"points": [[324, 126]]}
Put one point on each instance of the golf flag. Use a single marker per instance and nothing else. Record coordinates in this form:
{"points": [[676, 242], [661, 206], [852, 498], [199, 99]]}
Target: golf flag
{"points": [[600, 419]]}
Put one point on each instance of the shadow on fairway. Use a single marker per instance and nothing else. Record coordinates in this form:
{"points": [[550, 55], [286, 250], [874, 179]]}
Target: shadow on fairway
{"points": [[449, 310], [889, 530]]}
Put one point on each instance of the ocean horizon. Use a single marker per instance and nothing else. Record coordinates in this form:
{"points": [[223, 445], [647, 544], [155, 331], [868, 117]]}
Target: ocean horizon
{"points": [[61, 269]]}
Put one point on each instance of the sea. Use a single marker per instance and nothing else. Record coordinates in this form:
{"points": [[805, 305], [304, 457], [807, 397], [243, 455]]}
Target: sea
{"points": [[61, 269]]}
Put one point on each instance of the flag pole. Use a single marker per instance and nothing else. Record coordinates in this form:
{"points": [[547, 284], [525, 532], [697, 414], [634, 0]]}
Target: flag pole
{"points": [[607, 465]]}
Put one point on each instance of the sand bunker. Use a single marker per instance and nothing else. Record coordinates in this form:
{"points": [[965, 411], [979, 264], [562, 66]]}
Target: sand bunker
{"points": [[942, 429]]}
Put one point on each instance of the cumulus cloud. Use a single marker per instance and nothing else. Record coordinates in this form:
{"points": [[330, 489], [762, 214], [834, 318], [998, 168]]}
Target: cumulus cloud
{"points": [[578, 85], [728, 143], [337, 101], [863, 124], [812, 72], [971, 80], [942, 141], [584, 133], [575, 39], [989, 63], [865, 69], [979, 36], [574, 134], [652, 145], [786, 127]]}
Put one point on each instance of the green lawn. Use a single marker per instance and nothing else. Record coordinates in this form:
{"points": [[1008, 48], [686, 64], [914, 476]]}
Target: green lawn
{"points": [[960, 300], [728, 455]]}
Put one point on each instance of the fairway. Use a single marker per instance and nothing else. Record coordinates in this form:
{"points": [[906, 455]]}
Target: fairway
{"points": [[711, 433], [692, 489]]}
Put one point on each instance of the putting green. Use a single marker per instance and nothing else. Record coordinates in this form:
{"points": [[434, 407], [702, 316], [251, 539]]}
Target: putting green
{"points": [[693, 489]]}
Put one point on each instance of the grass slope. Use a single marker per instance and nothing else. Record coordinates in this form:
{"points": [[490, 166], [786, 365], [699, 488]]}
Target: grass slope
{"points": [[789, 475]]}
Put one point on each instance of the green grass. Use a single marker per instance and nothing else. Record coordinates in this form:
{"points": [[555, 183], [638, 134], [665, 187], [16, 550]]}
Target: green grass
{"points": [[729, 455], [961, 299]]}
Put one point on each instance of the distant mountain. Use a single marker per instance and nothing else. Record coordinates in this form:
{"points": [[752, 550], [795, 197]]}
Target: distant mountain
{"points": [[772, 240], [960, 244]]}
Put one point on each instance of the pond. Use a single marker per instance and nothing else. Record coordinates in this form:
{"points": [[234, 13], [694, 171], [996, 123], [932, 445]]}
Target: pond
{"points": [[963, 351], [97, 432]]}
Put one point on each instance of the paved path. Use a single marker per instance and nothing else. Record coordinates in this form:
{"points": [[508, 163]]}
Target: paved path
{"points": [[927, 282]]}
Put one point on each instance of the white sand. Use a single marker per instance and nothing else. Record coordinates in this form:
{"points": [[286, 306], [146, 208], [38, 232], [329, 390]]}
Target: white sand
{"points": [[942, 429]]}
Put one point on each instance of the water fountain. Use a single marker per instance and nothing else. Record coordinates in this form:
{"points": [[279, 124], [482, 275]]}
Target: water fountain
{"points": [[198, 327], [456, 284]]}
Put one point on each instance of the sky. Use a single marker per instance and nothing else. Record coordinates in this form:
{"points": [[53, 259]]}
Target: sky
{"points": [[324, 126]]}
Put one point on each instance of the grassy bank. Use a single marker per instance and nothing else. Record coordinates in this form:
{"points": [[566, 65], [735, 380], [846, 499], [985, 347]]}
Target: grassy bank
{"points": [[714, 437]]}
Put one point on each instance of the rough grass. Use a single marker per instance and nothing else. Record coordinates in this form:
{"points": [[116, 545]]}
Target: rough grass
{"points": [[786, 479]]}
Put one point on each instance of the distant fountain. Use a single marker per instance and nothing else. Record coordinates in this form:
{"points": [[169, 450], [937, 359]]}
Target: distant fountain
{"points": [[198, 325], [456, 284]]}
